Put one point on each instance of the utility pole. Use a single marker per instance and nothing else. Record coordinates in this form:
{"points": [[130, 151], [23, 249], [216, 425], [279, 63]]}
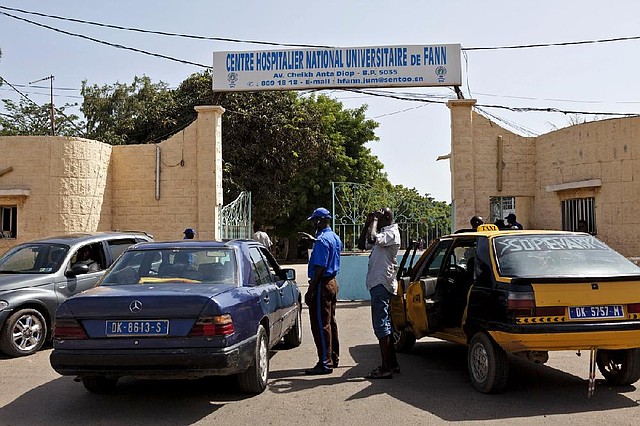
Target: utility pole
{"points": [[53, 124]]}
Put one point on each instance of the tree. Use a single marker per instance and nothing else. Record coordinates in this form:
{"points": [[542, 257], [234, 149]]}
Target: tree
{"points": [[283, 147], [118, 114], [28, 118]]}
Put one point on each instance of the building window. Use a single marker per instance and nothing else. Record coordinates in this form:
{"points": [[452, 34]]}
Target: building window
{"points": [[500, 207], [579, 214], [8, 221]]}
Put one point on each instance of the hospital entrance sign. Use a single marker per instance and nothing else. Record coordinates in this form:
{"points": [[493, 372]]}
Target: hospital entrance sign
{"points": [[337, 67]]}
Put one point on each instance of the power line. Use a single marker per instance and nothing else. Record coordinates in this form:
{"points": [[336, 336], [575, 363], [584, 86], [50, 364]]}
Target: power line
{"points": [[162, 33], [565, 43], [36, 104], [47, 94], [119, 46], [270, 43]]}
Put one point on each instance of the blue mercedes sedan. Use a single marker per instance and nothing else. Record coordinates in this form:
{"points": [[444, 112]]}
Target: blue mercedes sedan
{"points": [[184, 309]]}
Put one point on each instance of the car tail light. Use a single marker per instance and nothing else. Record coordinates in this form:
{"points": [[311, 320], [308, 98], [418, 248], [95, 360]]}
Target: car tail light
{"points": [[521, 304], [633, 308], [217, 325], [68, 329]]}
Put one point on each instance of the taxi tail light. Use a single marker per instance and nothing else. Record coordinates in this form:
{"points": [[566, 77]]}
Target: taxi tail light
{"points": [[68, 329], [633, 308], [521, 304], [216, 325]]}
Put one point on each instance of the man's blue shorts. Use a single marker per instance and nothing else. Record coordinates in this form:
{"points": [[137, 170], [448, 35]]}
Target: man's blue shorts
{"points": [[380, 311]]}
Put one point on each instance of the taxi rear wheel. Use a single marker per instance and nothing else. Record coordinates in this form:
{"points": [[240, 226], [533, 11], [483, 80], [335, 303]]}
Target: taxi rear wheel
{"points": [[619, 367], [403, 340], [488, 364]]}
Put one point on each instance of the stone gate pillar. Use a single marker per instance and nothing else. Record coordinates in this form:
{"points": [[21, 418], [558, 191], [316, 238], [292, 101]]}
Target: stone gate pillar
{"points": [[209, 170], [462, 162]]}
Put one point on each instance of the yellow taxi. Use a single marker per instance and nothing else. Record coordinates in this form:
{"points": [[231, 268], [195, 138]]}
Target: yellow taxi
{"points": [[523, 293]]}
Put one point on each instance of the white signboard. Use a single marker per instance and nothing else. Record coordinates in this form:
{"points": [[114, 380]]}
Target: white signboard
{"points": [[338, 67]]}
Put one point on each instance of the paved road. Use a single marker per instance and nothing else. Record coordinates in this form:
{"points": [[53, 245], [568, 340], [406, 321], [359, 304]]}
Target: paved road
{"points": [[433, 388]]}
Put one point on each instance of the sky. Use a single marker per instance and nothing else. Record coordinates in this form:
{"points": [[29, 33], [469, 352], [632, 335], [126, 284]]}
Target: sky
{"points": [[594, 78]]}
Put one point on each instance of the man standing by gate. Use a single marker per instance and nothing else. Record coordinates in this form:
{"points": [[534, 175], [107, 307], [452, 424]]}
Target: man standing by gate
{"points": [[322, 295], [383, 237]]}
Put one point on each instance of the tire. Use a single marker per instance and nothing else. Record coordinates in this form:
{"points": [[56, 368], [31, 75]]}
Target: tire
{"points": [[488, 364], [403, 340], [619, 367], [254, 379], [99, 384], [24, 333], [293, 338]]}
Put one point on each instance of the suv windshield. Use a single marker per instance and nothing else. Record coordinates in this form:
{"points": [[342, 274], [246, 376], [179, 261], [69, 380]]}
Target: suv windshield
{"points": [[38, 258], [174, 265], [559, 256]]}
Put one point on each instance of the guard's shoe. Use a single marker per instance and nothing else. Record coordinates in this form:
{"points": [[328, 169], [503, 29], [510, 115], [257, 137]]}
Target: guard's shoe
{"points": [[380, 373], [317, 370]]}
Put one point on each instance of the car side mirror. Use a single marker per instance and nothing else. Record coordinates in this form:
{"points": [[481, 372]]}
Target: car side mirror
{"points": [[288, 274], [77, 270]]}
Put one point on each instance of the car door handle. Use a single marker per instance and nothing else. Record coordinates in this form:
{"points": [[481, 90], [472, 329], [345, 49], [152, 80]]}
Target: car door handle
{"points": [[62, 285]]}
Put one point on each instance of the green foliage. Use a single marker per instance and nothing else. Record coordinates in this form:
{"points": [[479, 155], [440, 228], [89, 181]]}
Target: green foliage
{"points": [[284, 147], [27, 118], [142, 112]]}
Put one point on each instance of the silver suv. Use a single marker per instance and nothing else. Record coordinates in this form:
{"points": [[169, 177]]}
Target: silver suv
{"points": [[35, 277]]}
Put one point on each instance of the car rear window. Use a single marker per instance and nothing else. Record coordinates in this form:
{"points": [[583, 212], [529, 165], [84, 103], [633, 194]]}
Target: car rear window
{"points": [[186, 265], [561, 255]]}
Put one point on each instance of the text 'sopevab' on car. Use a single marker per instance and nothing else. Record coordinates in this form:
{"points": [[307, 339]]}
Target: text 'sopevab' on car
{"points": [[523, 293]]}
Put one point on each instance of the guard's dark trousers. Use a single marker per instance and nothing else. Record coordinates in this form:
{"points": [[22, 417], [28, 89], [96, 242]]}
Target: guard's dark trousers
{"points": [[322, 314]]}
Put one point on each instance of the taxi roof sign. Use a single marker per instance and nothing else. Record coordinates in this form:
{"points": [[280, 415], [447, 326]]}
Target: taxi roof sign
{"points": [[488, 227]]}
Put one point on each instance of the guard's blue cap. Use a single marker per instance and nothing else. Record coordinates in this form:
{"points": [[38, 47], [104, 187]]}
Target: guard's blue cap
{"points": [[320, 212], [190, 231]]}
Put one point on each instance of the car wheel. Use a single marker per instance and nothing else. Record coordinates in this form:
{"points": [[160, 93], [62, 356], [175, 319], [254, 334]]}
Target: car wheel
{"points": [[403, 340], [293, 338], [254, 380], [619, 367], [24, 333], [99, 384], [488, 364]]}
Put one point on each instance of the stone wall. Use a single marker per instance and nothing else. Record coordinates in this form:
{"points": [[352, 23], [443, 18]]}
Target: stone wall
{"points": [[593, 159], [62, 180], [63, 185]]}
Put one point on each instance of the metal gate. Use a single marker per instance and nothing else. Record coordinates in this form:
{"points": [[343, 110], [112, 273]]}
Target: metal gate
{"points": [[352, 202], [235, 218]]}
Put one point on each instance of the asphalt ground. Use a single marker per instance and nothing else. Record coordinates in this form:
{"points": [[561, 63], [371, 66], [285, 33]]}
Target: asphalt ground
{"points": [[433, 388]]}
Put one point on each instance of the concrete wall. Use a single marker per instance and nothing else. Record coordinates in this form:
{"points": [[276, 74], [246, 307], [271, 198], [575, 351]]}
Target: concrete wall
{"points": [[62, 185], [588, 160], [57, 183]]}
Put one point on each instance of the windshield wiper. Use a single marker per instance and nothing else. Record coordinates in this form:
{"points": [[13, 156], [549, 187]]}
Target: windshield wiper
{"points": [[6, 271]]}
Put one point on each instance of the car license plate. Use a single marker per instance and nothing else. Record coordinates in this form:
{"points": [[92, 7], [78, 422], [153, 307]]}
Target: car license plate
{"points": [[591, 312], [137, 328]]}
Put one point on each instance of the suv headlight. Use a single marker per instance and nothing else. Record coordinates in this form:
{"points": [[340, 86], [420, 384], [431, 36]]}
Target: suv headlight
{"points": [[3, 304]]}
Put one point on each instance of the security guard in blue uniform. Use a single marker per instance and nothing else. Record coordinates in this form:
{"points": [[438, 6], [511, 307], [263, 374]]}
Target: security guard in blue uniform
{"points": [[322, 295]]}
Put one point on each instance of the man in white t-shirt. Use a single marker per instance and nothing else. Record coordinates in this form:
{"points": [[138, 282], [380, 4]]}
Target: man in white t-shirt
{"points": [[383, 238]]}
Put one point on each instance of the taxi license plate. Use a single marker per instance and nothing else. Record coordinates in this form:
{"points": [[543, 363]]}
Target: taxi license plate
{"points": [[137, 328], [591, 312]]}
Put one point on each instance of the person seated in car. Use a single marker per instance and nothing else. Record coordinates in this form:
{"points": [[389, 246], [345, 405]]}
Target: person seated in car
{"points": [[84, 258]]}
